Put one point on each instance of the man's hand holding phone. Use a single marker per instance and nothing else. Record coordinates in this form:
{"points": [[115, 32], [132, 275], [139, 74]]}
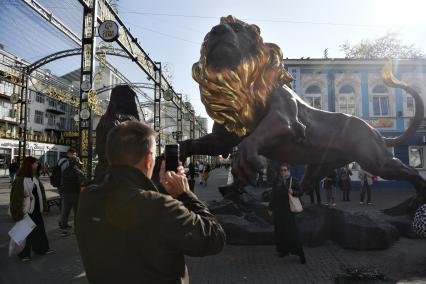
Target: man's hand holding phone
{"points": [[175, 183]]}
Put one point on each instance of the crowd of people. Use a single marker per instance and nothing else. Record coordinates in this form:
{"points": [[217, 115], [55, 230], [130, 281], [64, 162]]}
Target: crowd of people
{"points": [[341, 178]]}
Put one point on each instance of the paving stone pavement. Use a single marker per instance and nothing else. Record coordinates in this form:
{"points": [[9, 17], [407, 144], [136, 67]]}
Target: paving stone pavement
{"points": [[405, 262]]}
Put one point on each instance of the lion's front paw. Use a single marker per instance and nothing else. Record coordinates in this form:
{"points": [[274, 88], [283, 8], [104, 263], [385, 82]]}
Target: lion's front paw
{"points": [[247, 162]]}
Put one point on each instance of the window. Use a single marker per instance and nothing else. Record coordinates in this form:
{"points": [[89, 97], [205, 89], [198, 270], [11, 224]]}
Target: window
{"points": [[52, 102], [313, 89], [416, 157], [346, 101], [51, 119], [380, 106], [410, 100], [62, 123], [39, 98], [62, 106], [38, 117], [313, 101], [380, 89], [38, 154], [8, 88], [51, 158], [380, 101], [313, 96], [31, 94], [410, 104]]}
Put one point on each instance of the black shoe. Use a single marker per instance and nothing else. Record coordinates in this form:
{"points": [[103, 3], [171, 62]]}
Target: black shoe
{"points": [[283, 254], [302, 259], [25, 259], [50, 251]]}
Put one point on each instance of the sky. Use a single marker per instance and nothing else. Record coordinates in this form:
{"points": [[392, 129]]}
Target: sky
{"points": [[172, 31]]}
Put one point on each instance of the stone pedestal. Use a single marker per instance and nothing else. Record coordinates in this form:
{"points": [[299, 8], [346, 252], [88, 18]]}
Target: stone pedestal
{"points": [[246, 222]]}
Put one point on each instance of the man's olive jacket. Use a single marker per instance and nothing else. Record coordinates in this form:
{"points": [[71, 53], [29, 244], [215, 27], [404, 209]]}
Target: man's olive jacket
{"points": [[129, 232]]}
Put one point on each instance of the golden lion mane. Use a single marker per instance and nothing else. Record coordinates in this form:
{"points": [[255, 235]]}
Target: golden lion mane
{"points": [[236, 98]]}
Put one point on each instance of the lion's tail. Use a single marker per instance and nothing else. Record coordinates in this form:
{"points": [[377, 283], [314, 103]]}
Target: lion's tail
{"points": [[391, 81]]}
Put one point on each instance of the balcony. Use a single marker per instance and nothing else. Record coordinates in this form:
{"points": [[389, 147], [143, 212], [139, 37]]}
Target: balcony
{"points": [[55, 110], [54, 129]]}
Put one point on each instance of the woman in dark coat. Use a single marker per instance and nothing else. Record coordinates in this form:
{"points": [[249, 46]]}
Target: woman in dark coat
{"points": [[122, 107], [28, 197], [345, 182], [287, 238]]}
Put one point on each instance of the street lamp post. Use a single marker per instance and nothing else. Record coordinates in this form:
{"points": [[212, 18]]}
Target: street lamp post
{"points": [[157, 105], [86, 83]]}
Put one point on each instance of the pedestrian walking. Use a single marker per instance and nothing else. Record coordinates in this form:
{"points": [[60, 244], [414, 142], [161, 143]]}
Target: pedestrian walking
{"points": [[46, 169], [73, 178], [317, 193], [330, 187], [121, 107], [129, 232], [345, 182], [28, 197], [13, 168], [366, 182], [287, 239], [58, 175], [201, 171], [191, 175], [205, 175]]}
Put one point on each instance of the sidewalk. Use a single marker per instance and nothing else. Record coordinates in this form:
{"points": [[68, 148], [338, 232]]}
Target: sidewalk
{"points": [[259, 264], [236, 264]]}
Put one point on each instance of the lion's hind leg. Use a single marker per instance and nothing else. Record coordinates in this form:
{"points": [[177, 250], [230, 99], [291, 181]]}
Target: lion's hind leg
{"points": [[394, 169]]}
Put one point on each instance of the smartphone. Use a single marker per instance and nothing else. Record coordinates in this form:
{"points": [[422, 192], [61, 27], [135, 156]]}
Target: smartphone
{"points": [[171, 155]]}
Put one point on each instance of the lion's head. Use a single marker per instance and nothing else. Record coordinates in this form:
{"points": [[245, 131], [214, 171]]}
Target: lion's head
{"points": [[236, 73]]}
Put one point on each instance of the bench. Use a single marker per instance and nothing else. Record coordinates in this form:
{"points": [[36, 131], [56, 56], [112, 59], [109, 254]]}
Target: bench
{"points": [[53, 201]]}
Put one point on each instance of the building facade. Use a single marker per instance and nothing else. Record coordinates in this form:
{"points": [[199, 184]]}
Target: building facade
{"points": [[47, 117], [355, 87], [52, 110]]}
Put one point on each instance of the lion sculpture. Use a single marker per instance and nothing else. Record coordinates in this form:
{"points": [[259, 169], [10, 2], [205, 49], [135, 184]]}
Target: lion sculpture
{"points": [[243, 85]]}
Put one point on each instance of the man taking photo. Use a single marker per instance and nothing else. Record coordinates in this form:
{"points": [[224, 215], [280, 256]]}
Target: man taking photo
{"points": [[129, 232]]}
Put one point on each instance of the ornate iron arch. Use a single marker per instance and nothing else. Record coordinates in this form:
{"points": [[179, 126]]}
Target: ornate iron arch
{"points": [[72, 52]]}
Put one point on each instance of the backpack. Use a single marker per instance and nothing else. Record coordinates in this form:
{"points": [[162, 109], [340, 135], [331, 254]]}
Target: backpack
{"points": [[419, 222], [56, 177], [343, 175]]}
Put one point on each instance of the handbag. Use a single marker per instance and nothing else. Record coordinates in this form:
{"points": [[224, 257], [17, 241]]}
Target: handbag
{"points": [[295, 204]]}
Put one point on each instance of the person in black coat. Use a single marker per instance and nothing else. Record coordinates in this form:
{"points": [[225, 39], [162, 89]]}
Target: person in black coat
{"points": [[317, 193], [345, 182], [13, 168], [330, 187], [122, 107], [287, 238], [72, 180]]}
